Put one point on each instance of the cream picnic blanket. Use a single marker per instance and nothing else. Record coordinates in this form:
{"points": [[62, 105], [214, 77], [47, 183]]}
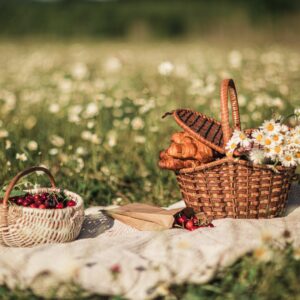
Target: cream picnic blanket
{"points": [[112, 258]]}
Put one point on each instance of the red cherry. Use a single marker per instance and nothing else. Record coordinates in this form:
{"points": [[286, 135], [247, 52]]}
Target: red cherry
{"points": [[59, 205], [211, 225], [20, 201], [71, 203], [42, 206], [25, 202], [195, 220], [36, 197], [44, 197], [33, 205], [189, 224], [38, 202], [180, 220]]}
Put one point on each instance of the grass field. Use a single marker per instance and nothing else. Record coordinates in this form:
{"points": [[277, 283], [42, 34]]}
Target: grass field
{"points": [[91, 112]]}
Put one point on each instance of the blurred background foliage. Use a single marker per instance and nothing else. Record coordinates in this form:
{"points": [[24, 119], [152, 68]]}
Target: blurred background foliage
{"points": [[140, 19]]}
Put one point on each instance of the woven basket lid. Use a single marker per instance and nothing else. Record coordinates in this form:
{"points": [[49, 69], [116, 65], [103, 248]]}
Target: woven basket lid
{"points": [[206, 130]]}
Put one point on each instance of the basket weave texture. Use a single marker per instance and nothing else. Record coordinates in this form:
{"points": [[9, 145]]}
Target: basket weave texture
{"points": [[26, 227], [230, 187]]}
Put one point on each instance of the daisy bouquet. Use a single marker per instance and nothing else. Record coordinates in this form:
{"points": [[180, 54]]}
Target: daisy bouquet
{"points": [[273, 143]]}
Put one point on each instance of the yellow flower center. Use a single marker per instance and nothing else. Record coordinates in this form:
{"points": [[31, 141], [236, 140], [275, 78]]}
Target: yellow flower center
{"points": [[277, 149], [233, 146], [268, 142], [270, 127], [242, 136], [275, 138], [298, 154], [259, 137], [288, 158]]}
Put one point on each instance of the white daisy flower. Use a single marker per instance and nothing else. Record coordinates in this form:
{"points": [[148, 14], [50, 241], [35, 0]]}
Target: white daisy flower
{"points": [[297, 156], [276, 151], [287, 159], [277, 138], [21, 157], [257, 156], [267, 142], [241, 138], [258, 136], [231, 146], [284, 128], [270, 127]]}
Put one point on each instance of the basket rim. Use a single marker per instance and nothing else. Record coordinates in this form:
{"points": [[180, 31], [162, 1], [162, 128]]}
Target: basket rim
{"points": [[79, 201], [234, 161]]}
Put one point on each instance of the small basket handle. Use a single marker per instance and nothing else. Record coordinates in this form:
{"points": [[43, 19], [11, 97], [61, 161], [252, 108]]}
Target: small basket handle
{"points": [[22, 174], [228, 85]]}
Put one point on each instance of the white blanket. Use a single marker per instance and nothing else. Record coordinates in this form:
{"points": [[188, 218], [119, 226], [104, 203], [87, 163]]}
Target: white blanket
{"points": [[112, 258]]}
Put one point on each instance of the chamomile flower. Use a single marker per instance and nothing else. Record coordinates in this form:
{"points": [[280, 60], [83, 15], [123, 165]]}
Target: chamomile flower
{"points": [[297, 157], [267, 141], [270, 127], [231, 146], [275, 151], [257, 156], [287, 159], [257, 136], [241, 138], [276, 138]]}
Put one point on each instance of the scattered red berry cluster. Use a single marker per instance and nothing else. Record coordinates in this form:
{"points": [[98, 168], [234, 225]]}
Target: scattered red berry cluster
{"points": [[188, 220], [44, 200]]}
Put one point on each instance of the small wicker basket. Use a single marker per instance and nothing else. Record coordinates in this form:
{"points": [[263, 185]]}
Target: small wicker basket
{"points": [[229, 187], [27, 227]]}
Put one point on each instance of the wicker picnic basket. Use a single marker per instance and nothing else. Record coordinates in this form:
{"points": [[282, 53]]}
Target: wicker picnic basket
{"points": [[26, 227], [229, 187]]}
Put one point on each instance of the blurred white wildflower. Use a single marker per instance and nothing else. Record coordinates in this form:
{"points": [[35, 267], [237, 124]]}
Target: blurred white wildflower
{"points": [[165, 68], [137, 123], [112, 138], [32, 145], [79, 71], [95, 139], [30, 122], [54, 108], [297, 112], [113, 65], [57, 140], [21, 157], [263, 254], [3, 133], [90, 124], [242, 100], [139, 139], [73, 113], [86, 135], [91, 110], [7, 144], [53, 151], [81, 151], [65, 85], [296, 253], [8, 163], [80, 165], [147, 107], [235, 59], [153, 129]]}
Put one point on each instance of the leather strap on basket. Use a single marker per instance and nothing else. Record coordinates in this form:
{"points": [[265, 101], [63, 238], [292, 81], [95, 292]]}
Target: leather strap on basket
{"points": [[22, 174], [228, 86]]}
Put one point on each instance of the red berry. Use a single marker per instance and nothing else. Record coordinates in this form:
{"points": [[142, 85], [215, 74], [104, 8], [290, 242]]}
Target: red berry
{"points": [[44, 197], [189, 224], [71, 203], [59, 205], [180, 220], [38, 202], [211, 225], [42, 206], [34, 205], [36, 197], [195, 220], [25, 202], [20, 201]]}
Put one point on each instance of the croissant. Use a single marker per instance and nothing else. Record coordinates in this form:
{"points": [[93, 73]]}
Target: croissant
{"points": [[170, 163]]}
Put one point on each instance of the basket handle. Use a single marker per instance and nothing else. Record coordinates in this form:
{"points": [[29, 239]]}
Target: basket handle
{"points": [[22, 174], [228, 85]]}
